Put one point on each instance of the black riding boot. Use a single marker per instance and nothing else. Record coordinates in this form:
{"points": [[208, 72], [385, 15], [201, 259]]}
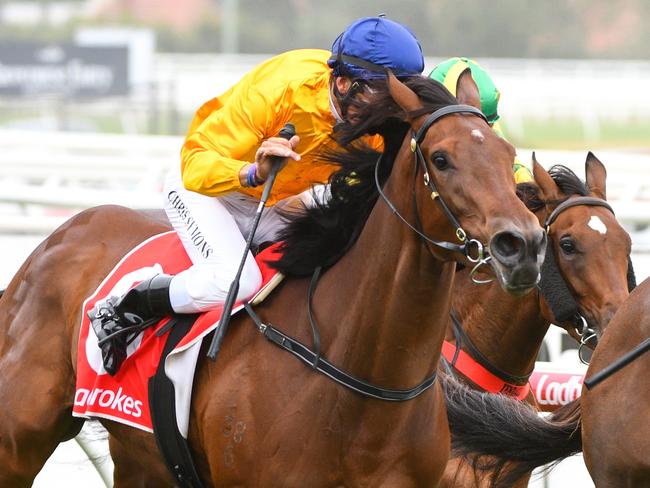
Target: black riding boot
{"points": [[117, 321]]}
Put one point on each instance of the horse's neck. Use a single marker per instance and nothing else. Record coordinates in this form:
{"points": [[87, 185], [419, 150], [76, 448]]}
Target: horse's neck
{"points": [[389, 298], [507, 330]]}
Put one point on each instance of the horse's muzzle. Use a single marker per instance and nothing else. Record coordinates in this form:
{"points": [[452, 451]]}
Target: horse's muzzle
{"points": [[517, 259]]}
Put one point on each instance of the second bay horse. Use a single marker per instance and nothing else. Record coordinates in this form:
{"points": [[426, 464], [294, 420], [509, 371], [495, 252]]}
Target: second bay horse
{"points": [[503, 333], [607, 423]]}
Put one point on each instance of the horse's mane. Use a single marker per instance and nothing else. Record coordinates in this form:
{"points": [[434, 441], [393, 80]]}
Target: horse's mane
{"points": [[320, 235], [528, 192], [566, 180]]}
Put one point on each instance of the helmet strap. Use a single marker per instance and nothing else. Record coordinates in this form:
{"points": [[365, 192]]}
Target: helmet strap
{"points": [[344, 100], [361, 63]]}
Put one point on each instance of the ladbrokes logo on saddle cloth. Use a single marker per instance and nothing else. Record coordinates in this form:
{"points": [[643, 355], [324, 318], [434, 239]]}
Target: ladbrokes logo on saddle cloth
{"points": [[124, 397]]}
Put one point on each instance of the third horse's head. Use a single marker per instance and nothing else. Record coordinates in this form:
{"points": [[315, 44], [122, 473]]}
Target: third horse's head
{"points": [[588, 265]]}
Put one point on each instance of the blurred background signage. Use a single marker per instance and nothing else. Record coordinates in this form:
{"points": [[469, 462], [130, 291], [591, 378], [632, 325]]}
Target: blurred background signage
{"points": [[38, 68]]}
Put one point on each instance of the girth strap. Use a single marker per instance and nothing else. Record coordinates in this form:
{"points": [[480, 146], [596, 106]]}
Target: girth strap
{"points": [[173, 447], [325, 367]]}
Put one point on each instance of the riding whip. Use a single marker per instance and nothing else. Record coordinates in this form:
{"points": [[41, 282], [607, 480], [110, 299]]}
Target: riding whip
{"points": [[621, 362], [287, 132]]}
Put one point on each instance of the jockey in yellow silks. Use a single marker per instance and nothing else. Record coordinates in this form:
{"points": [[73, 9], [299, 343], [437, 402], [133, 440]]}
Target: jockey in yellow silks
{"points": [[212, 196], [448, 72]]}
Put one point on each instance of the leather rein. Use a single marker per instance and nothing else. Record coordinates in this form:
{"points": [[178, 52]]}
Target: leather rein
{"points": [[313, 357]]}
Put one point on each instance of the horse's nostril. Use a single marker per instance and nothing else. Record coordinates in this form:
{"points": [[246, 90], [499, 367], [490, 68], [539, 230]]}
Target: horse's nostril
{"points": [[507, 245]]}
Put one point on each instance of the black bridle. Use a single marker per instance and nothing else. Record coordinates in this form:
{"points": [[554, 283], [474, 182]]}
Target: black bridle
{"points": [[314, 358], [561, 301], [574, 202], [568, 311], [466, 245]]}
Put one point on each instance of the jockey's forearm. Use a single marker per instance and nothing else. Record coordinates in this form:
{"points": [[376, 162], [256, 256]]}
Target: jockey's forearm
{"points": [[209, 173]]}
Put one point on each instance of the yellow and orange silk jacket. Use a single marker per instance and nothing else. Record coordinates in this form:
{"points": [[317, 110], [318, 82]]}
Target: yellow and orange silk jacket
{"points": [[227, 130]]}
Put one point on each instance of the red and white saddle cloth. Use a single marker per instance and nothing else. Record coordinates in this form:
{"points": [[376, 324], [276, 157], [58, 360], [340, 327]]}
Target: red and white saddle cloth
{"points": [[124, 397]]}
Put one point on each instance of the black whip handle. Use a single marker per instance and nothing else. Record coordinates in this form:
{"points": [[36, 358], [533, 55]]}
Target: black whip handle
{"points": [[287, 132]]}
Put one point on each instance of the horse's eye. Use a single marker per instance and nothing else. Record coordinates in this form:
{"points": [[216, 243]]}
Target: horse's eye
{"points": [[568, 246], [440, 161]]}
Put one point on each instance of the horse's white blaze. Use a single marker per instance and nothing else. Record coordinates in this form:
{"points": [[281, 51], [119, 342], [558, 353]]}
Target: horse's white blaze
{"points": [[477, 135], [597, 224]]}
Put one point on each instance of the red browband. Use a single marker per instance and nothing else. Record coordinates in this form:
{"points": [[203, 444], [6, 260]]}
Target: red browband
{"points": [[489, 382]]}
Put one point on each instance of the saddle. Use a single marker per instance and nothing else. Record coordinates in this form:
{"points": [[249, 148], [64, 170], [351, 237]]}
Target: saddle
{"points": [[123, 397]]}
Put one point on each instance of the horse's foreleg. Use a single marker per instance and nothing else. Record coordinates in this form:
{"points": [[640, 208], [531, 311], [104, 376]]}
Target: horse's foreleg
{"points": [[136, 459], [36, 395]]}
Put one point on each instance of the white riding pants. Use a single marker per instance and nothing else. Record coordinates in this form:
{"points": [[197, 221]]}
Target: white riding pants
{"points": [[213, 231]]}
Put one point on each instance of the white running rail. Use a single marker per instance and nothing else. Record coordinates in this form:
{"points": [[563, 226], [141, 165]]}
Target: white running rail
{"points": [[47, 176]]}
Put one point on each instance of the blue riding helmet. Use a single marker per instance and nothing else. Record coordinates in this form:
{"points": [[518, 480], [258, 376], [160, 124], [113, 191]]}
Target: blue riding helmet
{"points": [[370, 45]]}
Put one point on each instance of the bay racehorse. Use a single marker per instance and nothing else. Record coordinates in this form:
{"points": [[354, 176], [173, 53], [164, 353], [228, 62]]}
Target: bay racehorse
{"points": [[615, 432], [607, 423], [501, 335], [504, 333], [382, 304]]}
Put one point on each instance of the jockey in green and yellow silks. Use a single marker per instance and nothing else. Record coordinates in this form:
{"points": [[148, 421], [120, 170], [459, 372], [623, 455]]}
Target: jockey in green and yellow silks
{"points": [[448, 73]]}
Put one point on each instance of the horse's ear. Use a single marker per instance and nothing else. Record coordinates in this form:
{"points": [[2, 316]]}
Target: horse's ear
{"points": [[467, 91], [402, 94], [596, 176], [549, 191]]}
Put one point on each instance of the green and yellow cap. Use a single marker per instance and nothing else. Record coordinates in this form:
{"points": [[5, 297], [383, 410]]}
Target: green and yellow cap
{"points": [[450, 70]]}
